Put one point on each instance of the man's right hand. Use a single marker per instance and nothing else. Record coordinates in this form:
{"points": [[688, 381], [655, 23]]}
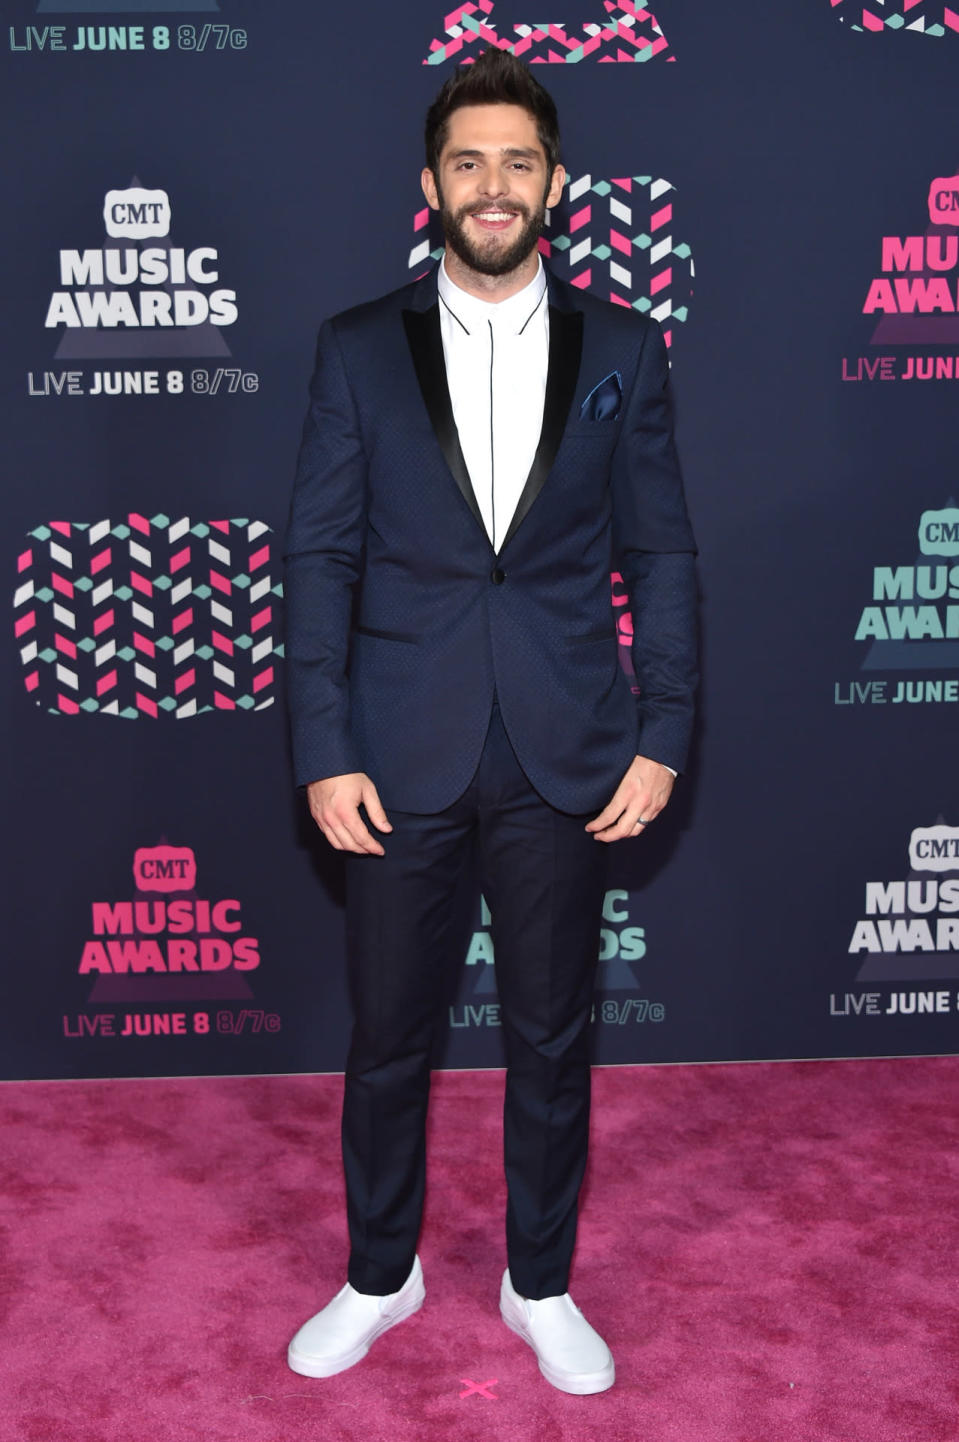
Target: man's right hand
{"points": [[335, 806]]}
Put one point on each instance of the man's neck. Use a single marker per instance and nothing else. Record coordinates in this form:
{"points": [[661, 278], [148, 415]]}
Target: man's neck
{"points": [[491, 288]]}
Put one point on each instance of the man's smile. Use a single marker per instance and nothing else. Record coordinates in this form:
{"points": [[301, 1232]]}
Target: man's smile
{"points": [[494, 219]]}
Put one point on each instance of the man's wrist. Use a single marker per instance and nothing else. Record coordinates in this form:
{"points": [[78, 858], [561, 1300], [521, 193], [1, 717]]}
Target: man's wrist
{"points": [[665, 765]]}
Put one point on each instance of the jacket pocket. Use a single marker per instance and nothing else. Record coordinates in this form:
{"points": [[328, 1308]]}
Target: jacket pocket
{"points": [[387, 635], [607, 634]]}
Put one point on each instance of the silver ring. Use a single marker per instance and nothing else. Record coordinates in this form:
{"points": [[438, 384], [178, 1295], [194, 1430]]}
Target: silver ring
{"points": [[641, 822]]}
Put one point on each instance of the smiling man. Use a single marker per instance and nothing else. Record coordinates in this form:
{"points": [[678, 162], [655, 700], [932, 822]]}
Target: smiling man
{"points": [[482, 448]]}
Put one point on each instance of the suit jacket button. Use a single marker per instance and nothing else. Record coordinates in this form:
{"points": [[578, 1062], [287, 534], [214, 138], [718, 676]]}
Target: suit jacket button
{"points": [[497, 576]]}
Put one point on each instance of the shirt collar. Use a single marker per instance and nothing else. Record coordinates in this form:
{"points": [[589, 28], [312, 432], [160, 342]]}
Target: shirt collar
{"points": [[511, 315]]}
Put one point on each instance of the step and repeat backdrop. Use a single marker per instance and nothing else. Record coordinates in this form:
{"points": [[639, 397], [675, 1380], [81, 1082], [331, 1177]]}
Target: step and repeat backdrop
{"points": [[189, 188]]}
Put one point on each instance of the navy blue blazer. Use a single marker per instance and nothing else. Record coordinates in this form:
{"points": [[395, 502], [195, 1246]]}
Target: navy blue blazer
{"points": [[403, 622]]}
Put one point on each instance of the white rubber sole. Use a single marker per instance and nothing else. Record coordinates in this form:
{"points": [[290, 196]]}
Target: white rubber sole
{"points": [[578, 1384], [308, 1366]]}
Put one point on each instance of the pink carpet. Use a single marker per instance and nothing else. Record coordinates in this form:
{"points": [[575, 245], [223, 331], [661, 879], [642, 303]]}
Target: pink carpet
{"points": [[770, 1250]]}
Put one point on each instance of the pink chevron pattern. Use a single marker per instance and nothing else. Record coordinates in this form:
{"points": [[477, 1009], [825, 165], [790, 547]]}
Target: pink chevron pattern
{"points": [[617, 240], [612, 237], [922, 17], [626, 33], [148, 616]]}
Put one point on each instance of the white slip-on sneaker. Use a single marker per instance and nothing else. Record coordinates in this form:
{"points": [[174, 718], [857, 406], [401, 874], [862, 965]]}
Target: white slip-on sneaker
{"points": [[571, 1354], [342, 1334]]}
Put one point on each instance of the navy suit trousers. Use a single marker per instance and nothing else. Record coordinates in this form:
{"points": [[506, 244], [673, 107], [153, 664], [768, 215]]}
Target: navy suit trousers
{"points": [[543, 877]]}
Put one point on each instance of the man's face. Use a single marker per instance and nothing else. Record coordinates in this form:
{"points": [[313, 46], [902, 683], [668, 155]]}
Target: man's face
{"points": [[491, 189]]}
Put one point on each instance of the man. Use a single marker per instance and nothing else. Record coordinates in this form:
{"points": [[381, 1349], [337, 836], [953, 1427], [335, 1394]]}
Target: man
{"points": [[480, 446]]}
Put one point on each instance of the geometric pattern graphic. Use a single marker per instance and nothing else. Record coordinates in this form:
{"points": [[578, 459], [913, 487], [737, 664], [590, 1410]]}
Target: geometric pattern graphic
{"points": [[627, 33], [148, 616], [924, 17], [614, 238]]}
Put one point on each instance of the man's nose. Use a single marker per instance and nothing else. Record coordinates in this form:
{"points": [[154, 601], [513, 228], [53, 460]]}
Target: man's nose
{"points": [[495, 183]]}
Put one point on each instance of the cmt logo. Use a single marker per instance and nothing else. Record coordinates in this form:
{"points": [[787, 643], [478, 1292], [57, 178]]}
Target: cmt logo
{"points": [[138, 293], [934, 848], [136, 213], [164, 868], [944, 201], [939, 532], [622, 31], [923, 17]]}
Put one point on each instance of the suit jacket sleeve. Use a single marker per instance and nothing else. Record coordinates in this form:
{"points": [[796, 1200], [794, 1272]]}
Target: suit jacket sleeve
{"points": [[323, 554], [655, 550]]}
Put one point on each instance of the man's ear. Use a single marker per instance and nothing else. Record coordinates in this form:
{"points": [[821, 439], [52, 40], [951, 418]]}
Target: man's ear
{"points": [[429, 188], [557, 181]]}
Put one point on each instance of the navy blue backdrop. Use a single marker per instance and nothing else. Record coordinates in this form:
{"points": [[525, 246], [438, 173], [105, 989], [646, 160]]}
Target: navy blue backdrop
{"points": [[189, 189]]}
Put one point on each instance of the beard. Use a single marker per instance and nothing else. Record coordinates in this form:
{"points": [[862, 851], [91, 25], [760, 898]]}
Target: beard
{"points": [[487, 255]]}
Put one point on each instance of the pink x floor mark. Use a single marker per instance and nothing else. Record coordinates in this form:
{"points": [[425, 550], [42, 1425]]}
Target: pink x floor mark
{"points": [[479, 1389]]}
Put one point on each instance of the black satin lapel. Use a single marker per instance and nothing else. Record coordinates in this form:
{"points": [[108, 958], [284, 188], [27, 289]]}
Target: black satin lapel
{"points": [[562, 373], [426, 347]]}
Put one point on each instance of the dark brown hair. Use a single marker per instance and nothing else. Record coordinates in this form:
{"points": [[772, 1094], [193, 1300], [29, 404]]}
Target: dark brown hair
{"points": [[495, 78]]}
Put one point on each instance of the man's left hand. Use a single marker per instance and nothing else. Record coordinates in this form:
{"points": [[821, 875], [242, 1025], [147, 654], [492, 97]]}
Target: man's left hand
{"points": [[638, 800]]}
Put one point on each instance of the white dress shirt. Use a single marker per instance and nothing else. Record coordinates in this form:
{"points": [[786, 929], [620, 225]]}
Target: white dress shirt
{"points": [[497, 353]]}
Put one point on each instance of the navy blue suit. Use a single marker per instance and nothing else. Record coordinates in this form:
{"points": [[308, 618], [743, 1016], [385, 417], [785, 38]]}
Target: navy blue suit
{"points": [[483, 695]]}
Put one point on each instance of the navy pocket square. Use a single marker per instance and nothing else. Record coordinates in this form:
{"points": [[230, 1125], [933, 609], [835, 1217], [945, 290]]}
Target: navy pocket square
{"points": [[603, 401]]}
